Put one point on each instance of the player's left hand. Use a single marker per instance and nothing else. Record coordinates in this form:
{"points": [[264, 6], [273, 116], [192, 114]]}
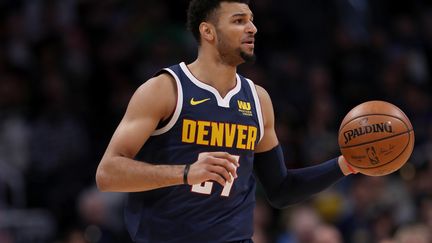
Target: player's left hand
{"points": [[345, 167]]}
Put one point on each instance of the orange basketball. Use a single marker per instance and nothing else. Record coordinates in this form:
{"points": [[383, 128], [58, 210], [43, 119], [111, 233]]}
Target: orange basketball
{"points": [[376, 138]]}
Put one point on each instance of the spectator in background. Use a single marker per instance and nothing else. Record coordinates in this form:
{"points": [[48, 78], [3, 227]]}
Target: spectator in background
{"points": [[416, 233], [14, 127], [263, 219], [300, 224], [99, 216], [59, 150], [14, 140], [326, 233]]}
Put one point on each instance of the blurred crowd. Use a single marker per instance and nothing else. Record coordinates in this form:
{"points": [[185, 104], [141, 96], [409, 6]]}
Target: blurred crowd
{"points": [[69, 67]]}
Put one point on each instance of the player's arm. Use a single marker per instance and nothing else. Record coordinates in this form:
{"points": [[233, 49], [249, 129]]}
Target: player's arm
{"points": [[282, 186], [154, 101]]}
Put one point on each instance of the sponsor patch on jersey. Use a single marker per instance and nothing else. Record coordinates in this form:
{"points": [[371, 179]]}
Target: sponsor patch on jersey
{"points": [[244, 107]]}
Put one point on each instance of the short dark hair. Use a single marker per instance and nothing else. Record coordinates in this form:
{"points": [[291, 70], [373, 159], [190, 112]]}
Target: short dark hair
{"points": [[201, 10]]}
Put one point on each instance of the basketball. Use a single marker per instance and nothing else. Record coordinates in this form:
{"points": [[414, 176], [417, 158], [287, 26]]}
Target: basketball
{"points": [[376, 138]]}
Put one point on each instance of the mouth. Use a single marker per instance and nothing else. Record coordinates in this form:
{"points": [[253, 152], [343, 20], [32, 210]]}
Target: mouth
{"points": [[249, 42]]}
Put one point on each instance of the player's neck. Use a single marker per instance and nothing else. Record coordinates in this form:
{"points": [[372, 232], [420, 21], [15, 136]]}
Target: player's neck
{"points": [[216, 74]]}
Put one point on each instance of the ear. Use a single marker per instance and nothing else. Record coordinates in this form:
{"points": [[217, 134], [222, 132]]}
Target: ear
{"points": [[207, 31]]}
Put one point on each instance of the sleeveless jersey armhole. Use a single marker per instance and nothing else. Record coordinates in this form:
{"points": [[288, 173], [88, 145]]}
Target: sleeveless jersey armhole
{"points": [[178, 108], [258, 107]]}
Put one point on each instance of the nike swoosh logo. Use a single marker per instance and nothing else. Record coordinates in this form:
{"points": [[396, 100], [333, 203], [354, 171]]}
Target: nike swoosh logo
{"points": [[197, 102]]}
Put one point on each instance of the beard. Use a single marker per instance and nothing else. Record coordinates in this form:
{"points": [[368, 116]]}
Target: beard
{"points": [[248, 58], [236, 56], [230, 55]]}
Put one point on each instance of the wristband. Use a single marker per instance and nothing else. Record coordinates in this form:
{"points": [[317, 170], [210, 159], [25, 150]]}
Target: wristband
{"points": [[185, 174]]}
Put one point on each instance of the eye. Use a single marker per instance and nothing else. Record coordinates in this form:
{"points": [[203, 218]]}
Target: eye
{"points": [[238, 21]]}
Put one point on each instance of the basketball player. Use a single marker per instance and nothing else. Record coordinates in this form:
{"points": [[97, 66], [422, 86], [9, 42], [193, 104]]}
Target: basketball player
{"points": [[195, 135]]}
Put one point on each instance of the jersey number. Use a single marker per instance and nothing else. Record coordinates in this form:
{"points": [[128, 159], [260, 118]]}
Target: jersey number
{"points": [[206, 187]]}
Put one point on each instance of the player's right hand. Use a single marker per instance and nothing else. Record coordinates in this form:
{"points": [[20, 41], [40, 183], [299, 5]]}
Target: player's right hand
{"points": [[213, 166]]}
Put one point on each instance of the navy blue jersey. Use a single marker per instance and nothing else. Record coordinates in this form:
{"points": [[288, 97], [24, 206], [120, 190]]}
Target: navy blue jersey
{"points": [[203, 121]]}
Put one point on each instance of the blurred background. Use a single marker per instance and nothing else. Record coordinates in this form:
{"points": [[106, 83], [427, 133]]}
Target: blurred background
{"points": [[69, 67]]}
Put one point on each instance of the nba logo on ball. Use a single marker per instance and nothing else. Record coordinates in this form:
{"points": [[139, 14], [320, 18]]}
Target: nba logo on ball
{"points": [[376, 138]]}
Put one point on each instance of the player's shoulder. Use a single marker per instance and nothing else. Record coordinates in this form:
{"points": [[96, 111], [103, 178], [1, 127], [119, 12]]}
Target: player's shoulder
{"points": [[262, 93], [158, 85], [158, 93], [162, 80]]}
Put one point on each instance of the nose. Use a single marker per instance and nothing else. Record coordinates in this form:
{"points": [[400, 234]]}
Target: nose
{"points": [[251, 28]]}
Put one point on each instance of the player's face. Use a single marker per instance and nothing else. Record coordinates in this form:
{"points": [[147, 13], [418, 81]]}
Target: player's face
{"points": [[235, 33]]}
